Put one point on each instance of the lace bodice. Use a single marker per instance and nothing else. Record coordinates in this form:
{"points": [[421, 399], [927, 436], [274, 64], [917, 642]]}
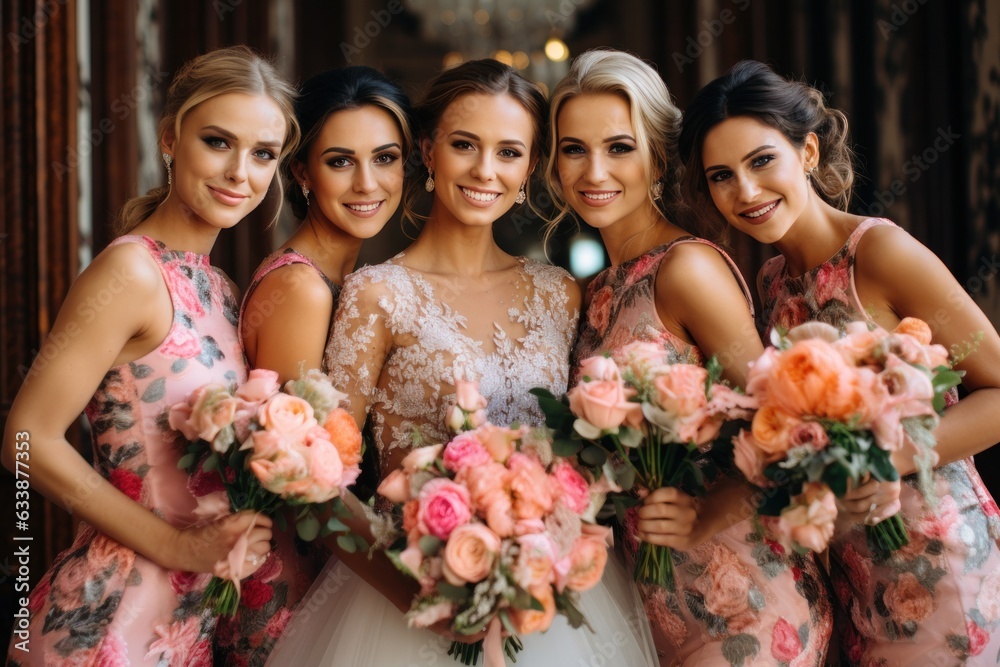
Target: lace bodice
{"points": [[401, 337]]}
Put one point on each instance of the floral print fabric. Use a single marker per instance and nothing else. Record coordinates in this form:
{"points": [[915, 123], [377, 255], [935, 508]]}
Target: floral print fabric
{"points": [[937, 600], [740, 599], [269, 595], [101, 603]]}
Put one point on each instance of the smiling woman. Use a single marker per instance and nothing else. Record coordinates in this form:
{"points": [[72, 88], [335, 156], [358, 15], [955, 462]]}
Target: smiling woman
{"points": [[129, 589]]}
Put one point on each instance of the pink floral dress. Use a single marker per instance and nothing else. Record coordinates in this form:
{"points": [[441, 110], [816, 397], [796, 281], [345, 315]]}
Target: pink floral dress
{"points": [[270, 594], [937, 600], [102, 603], [740, 599]]}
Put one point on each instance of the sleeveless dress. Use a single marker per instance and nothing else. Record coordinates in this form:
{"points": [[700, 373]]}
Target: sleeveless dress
{"points": [[269, 595], [936, 601], [739, 599], [344, 621], [101, 603]]}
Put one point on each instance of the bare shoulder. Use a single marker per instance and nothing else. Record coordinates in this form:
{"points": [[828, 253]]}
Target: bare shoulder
{"points": [[298, 284], [693, 269], [887, 253], [124, 268]]}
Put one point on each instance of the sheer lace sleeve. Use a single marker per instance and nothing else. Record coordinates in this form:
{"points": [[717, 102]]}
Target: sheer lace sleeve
{"points": [[360, 340]]}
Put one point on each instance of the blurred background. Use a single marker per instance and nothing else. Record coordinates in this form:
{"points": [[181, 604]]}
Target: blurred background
{"points": [[83, 80]]}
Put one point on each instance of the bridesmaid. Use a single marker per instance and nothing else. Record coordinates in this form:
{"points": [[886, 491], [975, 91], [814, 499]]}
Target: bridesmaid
{"points": [[613, 162], [146, 323], [347, 181], [767, 156]]}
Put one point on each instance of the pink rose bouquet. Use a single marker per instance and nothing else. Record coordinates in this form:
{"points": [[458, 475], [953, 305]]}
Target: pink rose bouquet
{"points": [[494, 528], [271, 449], [832, 409], [657, 419]]}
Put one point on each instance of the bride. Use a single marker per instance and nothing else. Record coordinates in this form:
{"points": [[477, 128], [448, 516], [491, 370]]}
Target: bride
{"points": [[455, 305]]}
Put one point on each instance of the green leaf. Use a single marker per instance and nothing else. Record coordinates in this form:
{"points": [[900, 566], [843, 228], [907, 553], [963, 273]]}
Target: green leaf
{"points": [[774, 501], [565, 447], [457, 593], [346, 543], [594, 456], [359, 542], [187, 461], [335, 525], [429, 545], [308, 528], [211, 463]]}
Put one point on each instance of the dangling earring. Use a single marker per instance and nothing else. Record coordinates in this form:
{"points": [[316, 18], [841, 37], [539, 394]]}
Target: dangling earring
{"points": [[809, 173], [168, 161], [519, 199], [305, 192], [429, 183], [656, 190]]}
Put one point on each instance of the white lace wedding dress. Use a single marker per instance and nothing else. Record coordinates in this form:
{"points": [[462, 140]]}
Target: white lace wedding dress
{"points": [[399, 338]]}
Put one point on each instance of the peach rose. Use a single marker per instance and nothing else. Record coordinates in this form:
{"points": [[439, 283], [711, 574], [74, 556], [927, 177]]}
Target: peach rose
{"points": [[748, 458], [286, 415], [859, 348], [681, 390], [587, 559], [772, 432], [602, 403], [470, 554], [806, 377], [725, 585], [490, 494], [266, 444], [534, 560], [444, 506], [526, 621], [907, 599], [467, 396], [599, 369], [421, 457], [809, 520], [529, 486], [261, 385], [498, 440], [345, 436], [912, 326], [910, 390], [759, 375], [395, 487], [641, 356], [809, 433], [212, 409]]}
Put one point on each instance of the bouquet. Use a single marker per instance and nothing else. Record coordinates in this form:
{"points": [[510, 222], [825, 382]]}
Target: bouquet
{"points": [[832, 410], [657, 419], [495, 532], [272, 449]]}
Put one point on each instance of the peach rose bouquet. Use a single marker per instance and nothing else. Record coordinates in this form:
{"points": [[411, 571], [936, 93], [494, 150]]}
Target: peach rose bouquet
{"points": [[656, 420], [272, 449], [833, 409], [493, 526]]}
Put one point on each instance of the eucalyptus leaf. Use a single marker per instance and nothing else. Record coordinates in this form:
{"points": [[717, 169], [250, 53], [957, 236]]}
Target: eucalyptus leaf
{"points": [[187, 461], [307, 527], [429, 545], [346, 543]]}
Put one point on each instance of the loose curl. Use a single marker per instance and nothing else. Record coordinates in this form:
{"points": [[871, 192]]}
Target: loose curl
{"points": [[235, 69], [656, 121], [484, 77], [752, 89], [338, 90]]}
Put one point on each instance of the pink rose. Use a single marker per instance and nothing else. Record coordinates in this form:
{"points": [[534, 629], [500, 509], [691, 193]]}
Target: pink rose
{"points": [[529, 486], [261, 385], [412, 557], [785, 643], [325, 466], [421, 457], [572, 488], [831, 284], [907, 600], [907, 348], [212, 408], [858, 567], [599, 369], [464, 451], [267, 444], [274, 474], [888, 430], [759, 375], [395, 487], [681, 390], [113, 651], [286, 415], [276, 626], [641, 356], [490, 494], [859, 347], [444, 506], [181, 342], [467, 396], [470, 553], [809, 520], [602, 403], [910, 389], [748, 458], [978, 638], [535, 559], [809, 434]]}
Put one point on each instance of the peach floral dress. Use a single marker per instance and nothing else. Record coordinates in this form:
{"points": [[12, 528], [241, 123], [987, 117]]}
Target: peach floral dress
{"points": [[101, 603], [937, 600], [740, 599], [270, 594]]}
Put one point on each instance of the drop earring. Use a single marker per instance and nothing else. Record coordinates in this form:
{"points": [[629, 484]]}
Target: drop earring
{"points": [[429, 183], [521, 196], [305, 192], [656, 190], [168, 161]]}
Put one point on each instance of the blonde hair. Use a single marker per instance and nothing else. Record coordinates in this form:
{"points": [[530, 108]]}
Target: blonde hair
{"points": [[656, 121], [235, 69]]}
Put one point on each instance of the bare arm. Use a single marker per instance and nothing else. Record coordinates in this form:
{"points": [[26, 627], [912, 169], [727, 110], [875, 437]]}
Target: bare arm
{"points": [[898, 277], [286, 321], [93, 336]]}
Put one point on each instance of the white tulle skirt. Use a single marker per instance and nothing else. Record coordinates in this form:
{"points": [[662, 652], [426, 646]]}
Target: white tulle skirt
{"points": [[344, 622]]}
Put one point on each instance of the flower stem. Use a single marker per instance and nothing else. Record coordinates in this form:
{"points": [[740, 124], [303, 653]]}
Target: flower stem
{"points": [[887, 536]]}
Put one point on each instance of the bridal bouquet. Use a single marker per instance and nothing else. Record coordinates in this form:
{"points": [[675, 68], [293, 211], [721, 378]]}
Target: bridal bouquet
{"points": [[832, 410], [657, 420], [271, 449], [495, 531]]}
